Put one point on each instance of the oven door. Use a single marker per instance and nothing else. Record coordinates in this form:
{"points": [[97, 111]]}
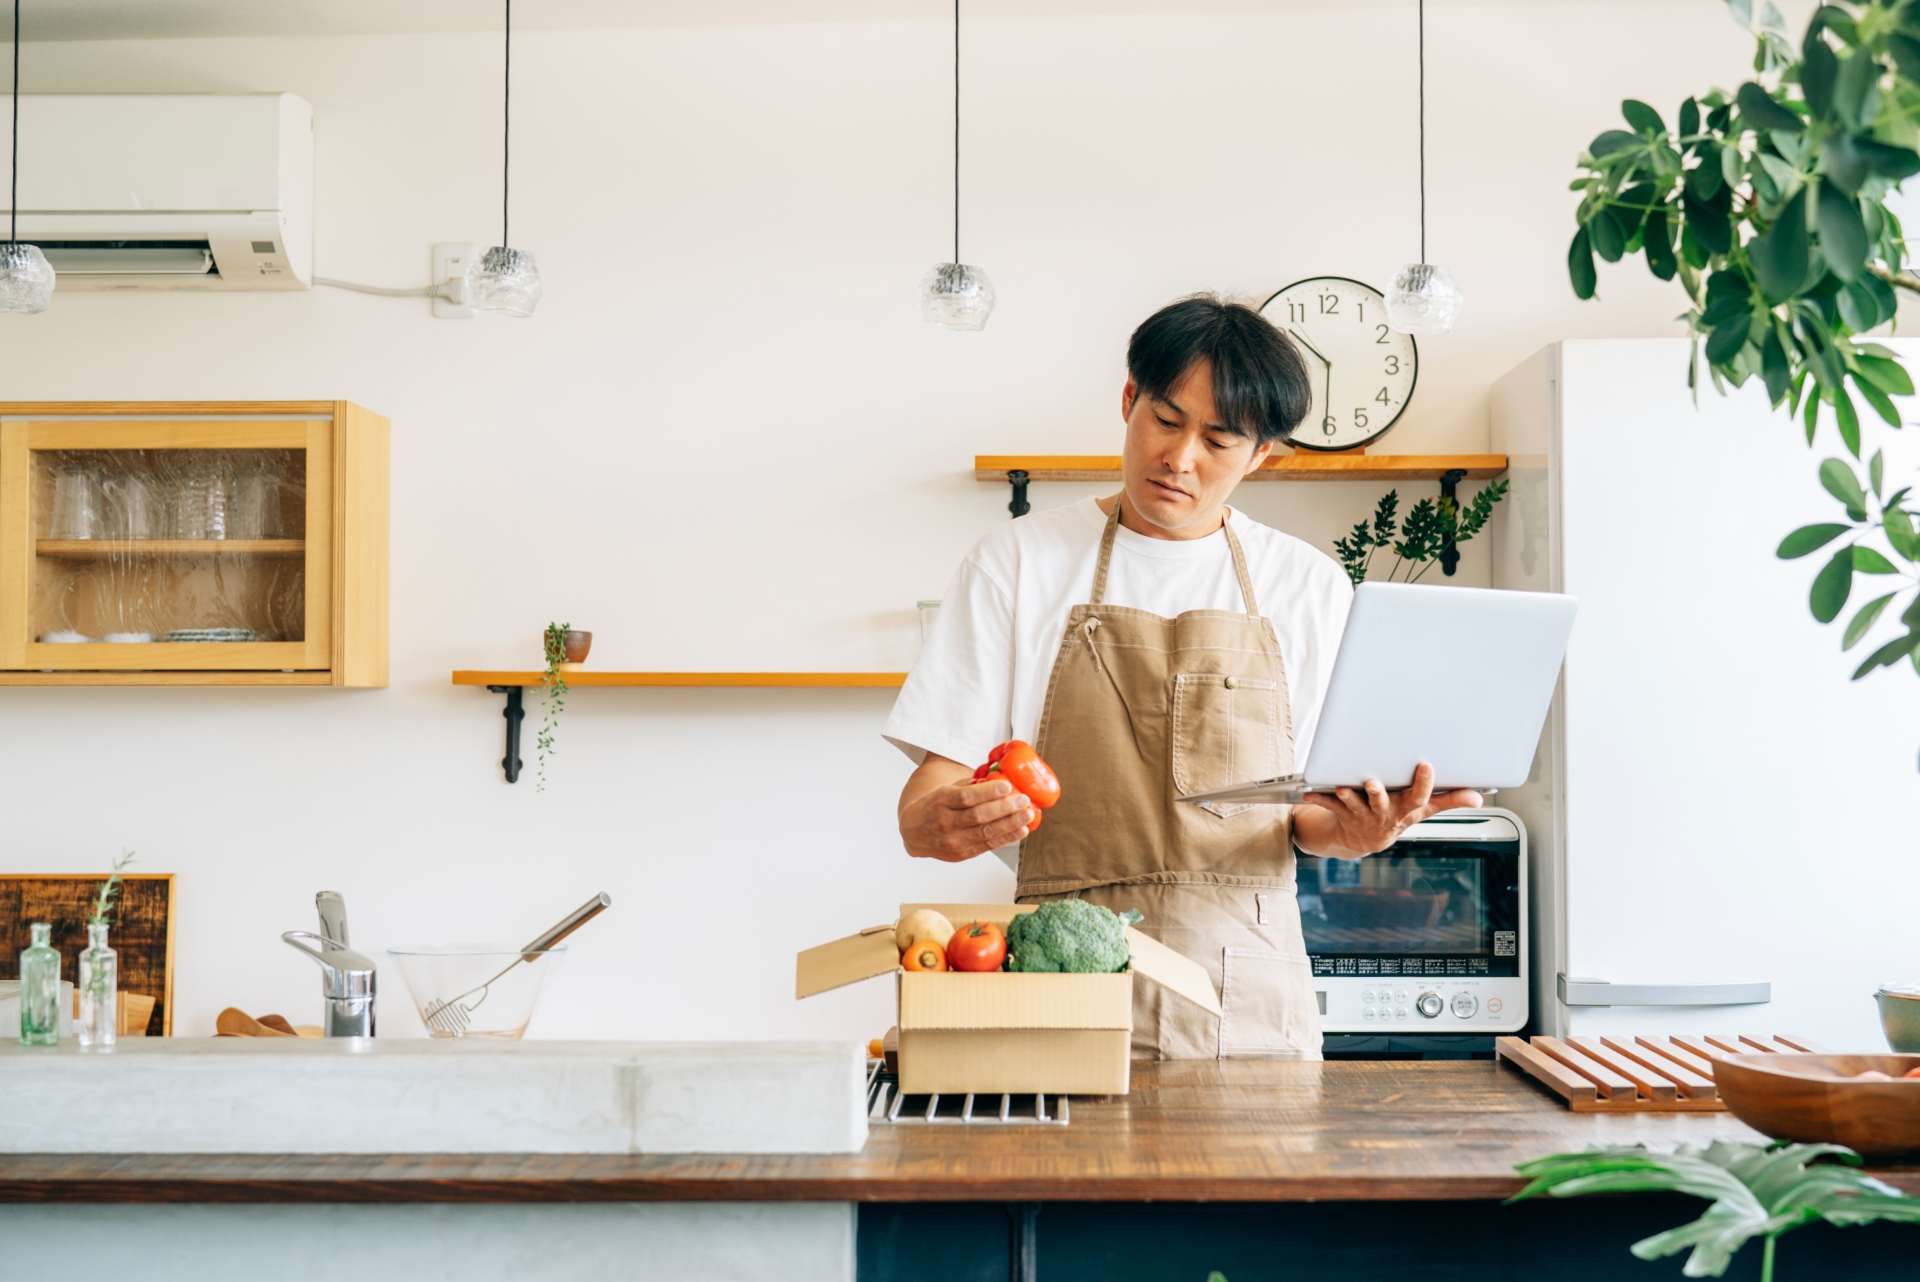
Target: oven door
{"points": [[1425, 937]]}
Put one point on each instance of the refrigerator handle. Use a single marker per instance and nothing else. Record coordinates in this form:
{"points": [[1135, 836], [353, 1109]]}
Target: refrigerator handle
{"points": [[1598, 992]]}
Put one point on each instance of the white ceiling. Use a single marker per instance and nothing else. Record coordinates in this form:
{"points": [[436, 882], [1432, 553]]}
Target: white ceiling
{"points": [[178, 19]]}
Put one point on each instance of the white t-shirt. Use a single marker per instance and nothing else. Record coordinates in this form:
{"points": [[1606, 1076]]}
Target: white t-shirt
{"points": [[981, 677]]}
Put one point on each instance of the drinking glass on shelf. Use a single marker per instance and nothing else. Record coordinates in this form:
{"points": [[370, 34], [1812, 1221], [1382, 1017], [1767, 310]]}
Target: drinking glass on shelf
{"points": [[76, 505], [133, 509], [200, 505], [256, 505]]}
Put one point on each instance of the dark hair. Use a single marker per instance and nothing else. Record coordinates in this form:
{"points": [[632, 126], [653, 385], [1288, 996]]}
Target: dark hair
{"points": [[1260, 385]]}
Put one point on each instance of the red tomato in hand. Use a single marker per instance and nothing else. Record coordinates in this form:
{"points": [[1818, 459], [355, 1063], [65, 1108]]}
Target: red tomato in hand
{"points": [[978, 945], [1021, 766]]}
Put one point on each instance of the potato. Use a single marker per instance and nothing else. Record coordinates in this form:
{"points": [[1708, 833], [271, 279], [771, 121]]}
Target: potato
{"points": [[922, 924]]}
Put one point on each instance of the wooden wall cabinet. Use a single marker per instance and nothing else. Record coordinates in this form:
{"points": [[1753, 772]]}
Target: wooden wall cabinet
{"points": [[198, 543]]}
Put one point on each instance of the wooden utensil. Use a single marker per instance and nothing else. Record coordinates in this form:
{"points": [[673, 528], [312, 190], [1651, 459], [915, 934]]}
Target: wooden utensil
{"points": [[233, 1022], [1815, 1099]]}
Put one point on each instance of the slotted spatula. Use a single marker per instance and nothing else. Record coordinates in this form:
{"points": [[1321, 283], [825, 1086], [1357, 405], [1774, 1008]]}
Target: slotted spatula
{"points": [[453, 1014]]}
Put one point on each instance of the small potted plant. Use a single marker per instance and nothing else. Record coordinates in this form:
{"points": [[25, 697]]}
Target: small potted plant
{"points": [[565, 651]]}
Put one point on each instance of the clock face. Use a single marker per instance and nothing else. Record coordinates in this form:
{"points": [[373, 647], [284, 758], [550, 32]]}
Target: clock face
{"points": [[1362, 372]]}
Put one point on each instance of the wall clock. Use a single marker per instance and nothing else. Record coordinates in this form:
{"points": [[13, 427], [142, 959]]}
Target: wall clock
{"points": [[1363, 372]]}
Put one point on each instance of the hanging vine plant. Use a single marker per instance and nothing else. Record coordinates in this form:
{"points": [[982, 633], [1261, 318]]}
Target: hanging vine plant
{"points": [[1768, 205]]}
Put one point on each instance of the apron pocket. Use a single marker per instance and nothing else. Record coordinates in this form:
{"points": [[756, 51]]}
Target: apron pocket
{"points": [[1226, 730], [1269, 1004]]}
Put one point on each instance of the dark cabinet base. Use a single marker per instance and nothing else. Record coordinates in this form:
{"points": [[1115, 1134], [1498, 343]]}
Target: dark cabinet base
{"points": [[1581, 1240]]}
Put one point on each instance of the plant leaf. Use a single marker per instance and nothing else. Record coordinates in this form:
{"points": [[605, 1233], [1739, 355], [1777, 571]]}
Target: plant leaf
{"points": [[1580, 268], [1609, 240], [1774, 369], [1839, 480], [1876, 470], [1855, 93], [1889, 376], [1900, 532], [1828, 596], [1819, 70], [1762, 112], [1643, 118], [1887, 159], [1868, 561], [1689, 118], [1878, 399], [1780, 255], [1847, 419], [1809, 538], [1727, 339], [1660, 260], [1864, 620], [1889, 654], [1843, 236], [1612, 141]]}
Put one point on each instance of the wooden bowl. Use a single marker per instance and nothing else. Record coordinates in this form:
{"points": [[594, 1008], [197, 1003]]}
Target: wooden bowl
{"points": [[1814, 1099]]}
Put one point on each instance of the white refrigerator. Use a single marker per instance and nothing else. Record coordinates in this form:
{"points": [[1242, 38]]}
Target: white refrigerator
{"points": [[1724, 830]]}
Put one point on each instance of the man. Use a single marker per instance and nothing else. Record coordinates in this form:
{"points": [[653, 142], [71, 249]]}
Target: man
{"points": [[1124, 638]]}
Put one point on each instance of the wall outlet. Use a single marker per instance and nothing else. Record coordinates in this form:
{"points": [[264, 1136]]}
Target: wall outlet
{"points": [[450, 259]]}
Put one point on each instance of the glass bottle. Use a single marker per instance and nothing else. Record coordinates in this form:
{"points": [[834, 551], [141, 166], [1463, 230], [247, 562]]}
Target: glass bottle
{"points": [[40, 989], [99, 980]]}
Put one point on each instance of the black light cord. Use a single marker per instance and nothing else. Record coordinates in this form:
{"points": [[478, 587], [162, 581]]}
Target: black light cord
{"points": [[1423, 130], [506, 130], [13, 201], [956, 130]]}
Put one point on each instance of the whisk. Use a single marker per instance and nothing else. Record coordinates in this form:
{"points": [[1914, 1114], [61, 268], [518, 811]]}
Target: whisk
{"points": [[453, 1014]]}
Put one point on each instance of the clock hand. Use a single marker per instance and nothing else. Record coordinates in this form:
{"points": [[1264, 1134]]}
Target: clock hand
{"points": [[1294, 335]]}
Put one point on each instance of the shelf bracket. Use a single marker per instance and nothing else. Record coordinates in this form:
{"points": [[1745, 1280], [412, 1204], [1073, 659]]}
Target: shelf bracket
{"points": [[514, 714], [1017, 478], [1449, 554]]}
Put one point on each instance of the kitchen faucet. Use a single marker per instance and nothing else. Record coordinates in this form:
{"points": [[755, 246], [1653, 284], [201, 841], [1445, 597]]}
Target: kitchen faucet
{"points": [[347, 977]]}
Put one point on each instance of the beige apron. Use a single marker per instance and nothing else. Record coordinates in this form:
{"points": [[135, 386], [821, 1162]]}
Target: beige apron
{"points": [[1141, 710]]}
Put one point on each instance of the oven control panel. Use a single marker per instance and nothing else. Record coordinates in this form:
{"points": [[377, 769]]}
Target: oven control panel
{"points": [[1421, 1005]]}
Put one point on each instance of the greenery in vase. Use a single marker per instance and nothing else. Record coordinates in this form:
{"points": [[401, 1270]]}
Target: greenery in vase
{"points": [[555, 645], [1429, 529], [102, 915], [1768, 204], [1756, 1192], [103, 903]]}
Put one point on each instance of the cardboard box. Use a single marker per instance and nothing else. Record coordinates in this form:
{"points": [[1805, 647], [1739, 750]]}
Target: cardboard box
{"points": [[1001, 1032]]}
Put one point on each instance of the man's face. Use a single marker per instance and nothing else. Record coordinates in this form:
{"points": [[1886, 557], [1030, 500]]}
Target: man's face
{"points": [[1181, 463]]}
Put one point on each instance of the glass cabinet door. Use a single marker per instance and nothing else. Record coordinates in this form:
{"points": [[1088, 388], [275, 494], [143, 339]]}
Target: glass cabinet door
{"points": [[166, 545]]}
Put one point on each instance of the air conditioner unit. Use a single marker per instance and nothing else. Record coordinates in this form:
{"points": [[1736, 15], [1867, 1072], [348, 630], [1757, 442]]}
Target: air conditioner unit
{"points": [[174, 192]]}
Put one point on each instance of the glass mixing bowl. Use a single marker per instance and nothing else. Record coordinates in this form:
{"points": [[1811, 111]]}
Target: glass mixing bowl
{"points": [[475, 990]]}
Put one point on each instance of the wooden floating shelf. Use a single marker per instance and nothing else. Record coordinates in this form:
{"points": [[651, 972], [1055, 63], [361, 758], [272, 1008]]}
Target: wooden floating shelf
{"points": [[585, 677], [1281, 467], [101, 549]]}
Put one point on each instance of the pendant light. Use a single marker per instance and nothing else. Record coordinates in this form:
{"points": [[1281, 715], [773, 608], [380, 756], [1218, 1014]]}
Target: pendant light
{"points": [[26, 277], [1423, 298], [504, 279], [954, 294]]}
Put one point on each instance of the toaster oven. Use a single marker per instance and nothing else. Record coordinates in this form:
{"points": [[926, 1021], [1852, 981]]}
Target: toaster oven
{"points": [[1428, 936]]}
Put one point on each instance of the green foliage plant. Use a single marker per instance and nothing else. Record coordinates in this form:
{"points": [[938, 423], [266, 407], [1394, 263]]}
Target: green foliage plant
{"points": [[1429, 529], [554, 643], [103, 903], [1768, 205], [1755, 1191]]}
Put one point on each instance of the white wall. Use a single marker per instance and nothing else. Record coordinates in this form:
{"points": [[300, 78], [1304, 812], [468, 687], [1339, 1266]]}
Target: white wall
{"points": [[728, 441]]}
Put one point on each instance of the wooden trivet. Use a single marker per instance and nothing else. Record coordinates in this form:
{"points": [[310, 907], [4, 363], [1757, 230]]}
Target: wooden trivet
{"points": [[1638, 1074]]}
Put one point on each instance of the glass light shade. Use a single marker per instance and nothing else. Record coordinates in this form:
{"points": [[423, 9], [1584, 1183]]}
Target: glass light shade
{"points": [[956, 296], [505, 281], [26, 279], [1423, 300]]}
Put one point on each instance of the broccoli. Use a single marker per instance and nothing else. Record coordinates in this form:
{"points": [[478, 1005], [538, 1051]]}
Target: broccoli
{"points": [[1070, 935]]}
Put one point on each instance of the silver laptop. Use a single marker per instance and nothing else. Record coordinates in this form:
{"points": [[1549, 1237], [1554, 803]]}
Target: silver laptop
{"points": [[1460, 677]]}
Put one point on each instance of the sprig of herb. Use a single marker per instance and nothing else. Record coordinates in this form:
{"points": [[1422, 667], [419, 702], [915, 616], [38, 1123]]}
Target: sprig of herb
{"points": [[1755, 1191], [103, 903], [1428, 529], [555, 645]]}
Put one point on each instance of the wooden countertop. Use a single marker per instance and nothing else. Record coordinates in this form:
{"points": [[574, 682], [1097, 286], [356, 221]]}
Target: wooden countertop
{"points": [[1245, 1131]]}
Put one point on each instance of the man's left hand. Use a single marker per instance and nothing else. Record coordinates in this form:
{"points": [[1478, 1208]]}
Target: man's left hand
{"points": [[1347, 823]]}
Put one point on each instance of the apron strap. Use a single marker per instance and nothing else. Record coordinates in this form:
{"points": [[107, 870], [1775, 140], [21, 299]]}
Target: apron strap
{"points": [[1240, 565], [1105, 560], [1106, 554]]}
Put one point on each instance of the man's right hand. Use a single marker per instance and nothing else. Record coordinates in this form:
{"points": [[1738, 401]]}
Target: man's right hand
{"points": [[945, 815]]}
